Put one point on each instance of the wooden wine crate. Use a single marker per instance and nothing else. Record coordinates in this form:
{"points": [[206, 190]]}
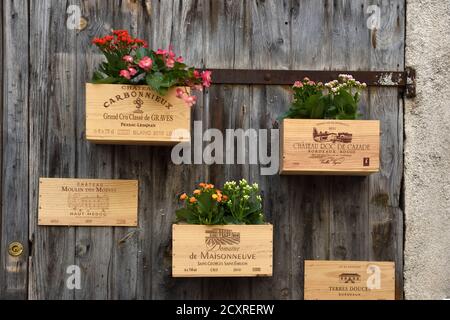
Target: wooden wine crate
{"points": [[128, 114], [222, 251], [349, 280], [87, 202], [330, 147]]}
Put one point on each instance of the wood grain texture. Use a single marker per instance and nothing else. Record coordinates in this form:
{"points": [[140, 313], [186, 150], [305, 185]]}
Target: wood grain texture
{"points": [[124, 114], [14, 213], [271, 49], [342, 218], [349, 280], [385, 188], [222, 251], [87, 202], [330, 147]]}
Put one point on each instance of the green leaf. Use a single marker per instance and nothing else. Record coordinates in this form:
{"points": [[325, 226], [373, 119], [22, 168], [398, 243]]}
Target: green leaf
{"points": [[183, 214], [155, 80]]}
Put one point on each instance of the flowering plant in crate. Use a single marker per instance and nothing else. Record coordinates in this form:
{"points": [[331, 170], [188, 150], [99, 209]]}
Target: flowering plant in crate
{"points": [[337, 99], [237, 203], [320, 133], [130, 61]]}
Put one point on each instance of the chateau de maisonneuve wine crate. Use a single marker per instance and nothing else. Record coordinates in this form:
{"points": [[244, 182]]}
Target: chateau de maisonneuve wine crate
{"points": [[129, 114], [330, 147], [349, 280], [87, 202], [222, 251]]}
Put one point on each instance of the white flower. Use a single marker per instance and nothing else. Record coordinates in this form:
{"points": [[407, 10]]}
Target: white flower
{"points": [[246, 197], [259, 198]]}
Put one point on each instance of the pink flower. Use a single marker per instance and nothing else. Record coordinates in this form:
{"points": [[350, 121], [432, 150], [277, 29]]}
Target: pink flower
{"points": [[146, 63], [197, 74], [190, 100], [311, 83], [206, 78], [161, 52], [171, 54], [170, 62], [125, 74], [180, 59], [298, 84], [128, 59], [132, 71], [198, 87], [180, 93], [306, 79]]}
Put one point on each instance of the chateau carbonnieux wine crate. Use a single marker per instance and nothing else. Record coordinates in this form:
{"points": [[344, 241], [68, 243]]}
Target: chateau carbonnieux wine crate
{"points": [[330, 147], [129, 114], [222, 251]]}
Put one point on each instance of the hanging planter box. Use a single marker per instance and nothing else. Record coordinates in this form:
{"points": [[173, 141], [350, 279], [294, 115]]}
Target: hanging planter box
{"points": [[129, 114], [330, 147], [222, 251]]}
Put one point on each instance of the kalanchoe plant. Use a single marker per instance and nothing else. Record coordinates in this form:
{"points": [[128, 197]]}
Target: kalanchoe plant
{"points": [[337, 99], [238, 203], [130, 61]]}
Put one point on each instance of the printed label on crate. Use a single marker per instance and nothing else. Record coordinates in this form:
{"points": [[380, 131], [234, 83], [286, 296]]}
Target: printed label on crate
{"points": [[314, 145], [135, 113], [87, 202], [222, 250], [349, 280]]}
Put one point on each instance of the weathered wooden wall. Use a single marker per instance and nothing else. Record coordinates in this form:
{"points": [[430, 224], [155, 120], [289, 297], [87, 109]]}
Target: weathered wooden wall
{"points": [[45, 66]]}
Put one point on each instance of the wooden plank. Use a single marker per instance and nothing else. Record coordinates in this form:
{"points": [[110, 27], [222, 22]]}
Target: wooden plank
{"points": [[126, 114], [310, 207], [339, 147], [227, 32], [222, 251], [52, 143], [271, 49], [14, 216], [87, 202], [349, 197], [349, 280], [385, 188], [95, 248]]}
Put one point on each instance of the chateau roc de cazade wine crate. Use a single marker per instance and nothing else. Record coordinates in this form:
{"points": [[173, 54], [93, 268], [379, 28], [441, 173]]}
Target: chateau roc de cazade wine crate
{"points": [[130, 114], [222, 251], [330, 147]]}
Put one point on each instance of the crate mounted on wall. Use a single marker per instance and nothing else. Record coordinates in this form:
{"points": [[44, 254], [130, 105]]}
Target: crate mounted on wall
{"points": [[330, 147], [222, 251], [130, 114]]}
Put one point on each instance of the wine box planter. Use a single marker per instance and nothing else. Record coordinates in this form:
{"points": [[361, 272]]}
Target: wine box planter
{"points": [[129, 114], [329, 147], [222, 251]]}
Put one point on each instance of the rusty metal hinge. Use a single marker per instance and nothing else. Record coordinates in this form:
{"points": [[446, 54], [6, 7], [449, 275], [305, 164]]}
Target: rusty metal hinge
{"points": [[410, 87]]}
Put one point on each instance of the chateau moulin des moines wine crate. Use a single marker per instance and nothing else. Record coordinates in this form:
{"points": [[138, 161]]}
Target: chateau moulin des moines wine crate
{"points": [[128, 114], [87, 202], [349, 280], [330, 147], [222, 251]]}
